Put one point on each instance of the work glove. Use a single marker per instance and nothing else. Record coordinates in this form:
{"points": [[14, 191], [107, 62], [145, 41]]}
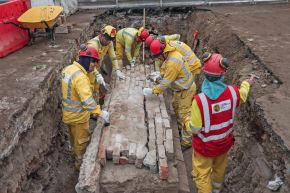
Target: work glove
{"points": [[106, 116], [100, 80], [120, 75], [147, 91], [133, 62], [155, 76]]}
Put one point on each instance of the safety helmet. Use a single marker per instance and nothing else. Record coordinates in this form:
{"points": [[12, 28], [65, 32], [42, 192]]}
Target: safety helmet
{"points": [[214, 64], [109, 32], [149, 40], [89, 52], [142, 34], [156, 48]]}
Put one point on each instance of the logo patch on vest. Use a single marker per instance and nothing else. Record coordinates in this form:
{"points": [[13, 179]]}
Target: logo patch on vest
{"points": [[221, 106]]}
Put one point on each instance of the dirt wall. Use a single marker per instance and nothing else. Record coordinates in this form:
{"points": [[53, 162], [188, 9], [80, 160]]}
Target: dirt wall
{"points": [[259, 153], [34, 136]]}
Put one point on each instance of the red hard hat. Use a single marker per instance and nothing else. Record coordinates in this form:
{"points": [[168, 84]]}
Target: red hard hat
{"points": [[89, 52], [143, 35], [149, 40], [156, 47], [214, 64]]}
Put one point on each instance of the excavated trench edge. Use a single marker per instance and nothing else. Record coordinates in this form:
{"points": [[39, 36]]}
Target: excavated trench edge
{"points": [[256, 116]]}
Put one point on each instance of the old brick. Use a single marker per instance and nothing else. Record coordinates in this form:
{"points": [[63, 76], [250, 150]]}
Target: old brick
{"points": [[109, 152], [102, 150], [159, 138], [168, 134], [163, 169], [162, 106], [132, 152], [150, 161], [161, 152], [123, 160], [151, 123], [169, 149], [164, 114], [152, 144], [116, 153], [125, 148], [166, 123]]}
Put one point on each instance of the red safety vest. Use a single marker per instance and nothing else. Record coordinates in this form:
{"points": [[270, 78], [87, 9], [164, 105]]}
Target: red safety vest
{"points": [[216, 136]]}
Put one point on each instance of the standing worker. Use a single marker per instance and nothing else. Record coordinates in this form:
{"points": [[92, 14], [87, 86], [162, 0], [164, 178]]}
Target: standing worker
{"points": [[130, 40], [175, 74], [78, 102], [103, 43], [211, 123]]}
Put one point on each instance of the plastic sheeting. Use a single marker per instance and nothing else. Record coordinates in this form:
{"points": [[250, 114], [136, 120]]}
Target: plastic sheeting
{"points": [[70, 6]]}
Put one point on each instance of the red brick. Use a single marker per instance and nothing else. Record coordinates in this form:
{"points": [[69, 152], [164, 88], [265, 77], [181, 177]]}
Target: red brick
{"points": [[102, 149], [123, 160], [163, 169]]}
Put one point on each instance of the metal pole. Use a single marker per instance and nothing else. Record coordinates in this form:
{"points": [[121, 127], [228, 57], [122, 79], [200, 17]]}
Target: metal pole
{"points": [[143, 42]]}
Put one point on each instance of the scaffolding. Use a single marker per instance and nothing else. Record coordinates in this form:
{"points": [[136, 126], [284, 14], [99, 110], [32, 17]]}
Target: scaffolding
{"points": [[115, 4]]}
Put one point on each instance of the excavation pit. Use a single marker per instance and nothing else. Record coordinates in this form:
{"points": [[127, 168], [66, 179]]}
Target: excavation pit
{"points": [[262, 145]]}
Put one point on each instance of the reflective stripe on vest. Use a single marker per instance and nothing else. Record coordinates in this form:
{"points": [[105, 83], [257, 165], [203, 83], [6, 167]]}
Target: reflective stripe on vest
{"points": [[214, 137], [234, 95], [186, 54], [70, 79], [97, 41], [128, 34], [186, 72], [165, 83], [71, 102], [206, 117]]}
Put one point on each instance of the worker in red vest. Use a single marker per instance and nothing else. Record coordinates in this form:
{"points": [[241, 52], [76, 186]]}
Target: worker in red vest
{"points": [[211, 122]]}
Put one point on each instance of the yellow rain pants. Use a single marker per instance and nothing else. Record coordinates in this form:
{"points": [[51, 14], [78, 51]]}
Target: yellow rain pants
{"points": [[182, 104], [208, 172], [79, 137]]}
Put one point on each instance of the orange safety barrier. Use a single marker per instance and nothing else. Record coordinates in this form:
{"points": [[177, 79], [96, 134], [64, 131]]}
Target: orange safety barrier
{"points": [[12, 38]]}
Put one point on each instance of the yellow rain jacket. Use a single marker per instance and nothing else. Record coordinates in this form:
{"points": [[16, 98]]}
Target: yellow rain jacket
{"points": [[165, 38], [192, 60], [77, 99], [175, 72], [126, 39], [173, 37], [102, 51]]}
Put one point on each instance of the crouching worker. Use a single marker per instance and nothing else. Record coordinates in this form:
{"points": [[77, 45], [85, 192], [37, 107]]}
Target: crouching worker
{"points": [[78, 102], [211, 123]]}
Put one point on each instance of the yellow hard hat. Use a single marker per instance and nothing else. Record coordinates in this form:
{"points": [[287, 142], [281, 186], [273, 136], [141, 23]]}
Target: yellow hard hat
{"points": [[109, 30]]}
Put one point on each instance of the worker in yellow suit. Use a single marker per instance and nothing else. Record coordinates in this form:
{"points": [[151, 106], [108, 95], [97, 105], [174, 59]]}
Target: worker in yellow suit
{"points": [[130, 41], [162, 38], [192, 60], [211, 123], [175, 74], [103, 43], [78, 102]]}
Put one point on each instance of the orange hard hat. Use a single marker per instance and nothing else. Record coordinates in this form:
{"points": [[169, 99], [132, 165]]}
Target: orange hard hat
{"points": [[214, 64]]}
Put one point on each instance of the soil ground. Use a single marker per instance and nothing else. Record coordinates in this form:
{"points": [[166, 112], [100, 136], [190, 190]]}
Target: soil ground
{"points": [[264, 29]]}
